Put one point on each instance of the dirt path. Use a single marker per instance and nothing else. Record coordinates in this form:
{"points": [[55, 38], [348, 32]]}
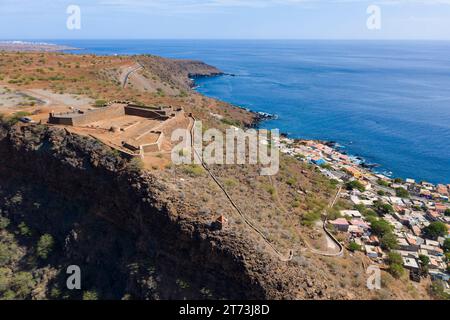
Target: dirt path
{"points": [[234, 205]]}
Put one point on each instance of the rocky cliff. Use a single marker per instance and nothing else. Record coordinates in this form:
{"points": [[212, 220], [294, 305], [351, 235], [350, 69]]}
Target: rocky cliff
{"points": [[129, 234]]}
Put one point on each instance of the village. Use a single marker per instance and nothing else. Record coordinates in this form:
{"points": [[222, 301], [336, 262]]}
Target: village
{"points": [[401, 225]]}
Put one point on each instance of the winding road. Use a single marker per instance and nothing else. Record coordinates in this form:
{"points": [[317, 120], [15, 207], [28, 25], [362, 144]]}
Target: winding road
{"points": [[128, 73]]}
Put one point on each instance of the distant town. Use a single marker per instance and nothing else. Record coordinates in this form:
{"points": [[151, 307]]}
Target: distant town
{"points": [[401, 225]]}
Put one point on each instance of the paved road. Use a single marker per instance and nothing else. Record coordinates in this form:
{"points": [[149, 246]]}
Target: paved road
{"points": [[130, 71]]}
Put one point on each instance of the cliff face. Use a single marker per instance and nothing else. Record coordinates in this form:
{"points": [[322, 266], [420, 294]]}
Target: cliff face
{"points": [[178, 72], [122, 227]]}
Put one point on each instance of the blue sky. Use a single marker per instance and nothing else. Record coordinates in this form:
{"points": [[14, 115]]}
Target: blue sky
{"points": [[225, 19]]}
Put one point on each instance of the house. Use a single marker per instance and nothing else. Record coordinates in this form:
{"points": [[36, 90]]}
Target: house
{"points": [[340, 224], [371, 251], [416, 231], [436, 275], [410, 263], [440, 208], [355, 230], [318, 161], [433, 215], [354, 172], [432, 250], [373, 240], [360, 223], [442, 189], [432, 243]]}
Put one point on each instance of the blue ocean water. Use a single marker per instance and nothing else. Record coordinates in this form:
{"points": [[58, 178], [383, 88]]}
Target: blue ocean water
{"points": [[388, 102]]}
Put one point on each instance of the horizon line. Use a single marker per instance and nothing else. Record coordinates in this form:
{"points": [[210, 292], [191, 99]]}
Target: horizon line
{"points": [[219, 39]]}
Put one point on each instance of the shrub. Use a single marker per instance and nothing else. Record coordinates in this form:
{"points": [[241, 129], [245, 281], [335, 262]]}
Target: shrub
{"points": [[135, 164], [193, 170], [90, 295], [44, 246], [100, 103], [355, 184], [24, 230], [446, 245], [383, 183], [353, 246], [382, 208], [4, 222], [395, 262], [435, 230], [22, 284], [389, 241], [381, 227], [402, 193]]}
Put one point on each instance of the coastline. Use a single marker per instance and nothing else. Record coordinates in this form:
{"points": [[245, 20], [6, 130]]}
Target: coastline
{"points": [[359, 160]]}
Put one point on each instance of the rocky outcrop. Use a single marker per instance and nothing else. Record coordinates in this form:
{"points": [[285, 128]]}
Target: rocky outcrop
{"points": [[178, 73], [120, 225]]}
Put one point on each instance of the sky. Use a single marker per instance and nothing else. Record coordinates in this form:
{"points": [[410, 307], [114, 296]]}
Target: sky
{"points": [[225, 19]]}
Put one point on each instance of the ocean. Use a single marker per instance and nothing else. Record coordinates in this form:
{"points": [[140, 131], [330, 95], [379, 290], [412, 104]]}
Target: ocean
{"points": [[385, 101]]}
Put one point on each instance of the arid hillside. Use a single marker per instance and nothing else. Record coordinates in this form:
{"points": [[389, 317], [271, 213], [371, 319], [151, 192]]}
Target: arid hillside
{"points": [[69, 199]]}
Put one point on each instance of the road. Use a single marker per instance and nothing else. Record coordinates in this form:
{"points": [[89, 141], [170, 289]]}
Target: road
{"points": [[129, 72]]}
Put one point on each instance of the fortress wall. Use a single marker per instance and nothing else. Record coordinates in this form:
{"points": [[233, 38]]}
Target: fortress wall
{"points": [[143, 112], [153, 147], [99, 114]]}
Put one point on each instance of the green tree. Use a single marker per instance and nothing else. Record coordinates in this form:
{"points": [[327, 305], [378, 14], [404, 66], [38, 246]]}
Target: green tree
{"points": [[355, 184], [381, 227], [22, 284], [382, 208], [447, 213], [389, 241], [424, 262], [44, 246], [402, 193], [395, 257], [435, 230], [353, 246], [383, 183], [446, 245], [395, 262]]}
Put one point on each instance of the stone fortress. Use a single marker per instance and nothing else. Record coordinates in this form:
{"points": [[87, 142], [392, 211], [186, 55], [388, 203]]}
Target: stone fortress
{"points": [[130, 128]]}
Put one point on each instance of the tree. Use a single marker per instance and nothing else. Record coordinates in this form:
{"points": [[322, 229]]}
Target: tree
{"points": [[435, 230], [382, 208], [447, 213], [396, 270], [402, 193], [355, 184], [395, 262], [383, 183], [424, 262], [395, 258], [389, 241], [446, 245], [44, 246], [381, 227], [353, 246], [22, 284]]}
